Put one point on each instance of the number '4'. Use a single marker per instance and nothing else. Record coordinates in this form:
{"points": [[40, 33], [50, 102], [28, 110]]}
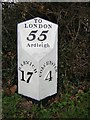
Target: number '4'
{"points": [[23, 76], [49, 76]]}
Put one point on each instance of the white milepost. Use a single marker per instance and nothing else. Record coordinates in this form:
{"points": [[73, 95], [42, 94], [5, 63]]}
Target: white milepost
{"points": [[37, 58]]}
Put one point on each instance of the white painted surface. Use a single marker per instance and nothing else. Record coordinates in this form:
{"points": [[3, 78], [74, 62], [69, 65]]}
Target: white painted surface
{"points": [[37, 58]]}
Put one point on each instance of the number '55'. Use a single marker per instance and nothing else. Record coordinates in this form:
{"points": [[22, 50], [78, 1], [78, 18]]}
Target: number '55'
{"points": [[41, 37]]}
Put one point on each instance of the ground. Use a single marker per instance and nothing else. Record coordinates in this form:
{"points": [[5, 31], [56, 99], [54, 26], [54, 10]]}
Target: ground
{"points": [[67, 105]]}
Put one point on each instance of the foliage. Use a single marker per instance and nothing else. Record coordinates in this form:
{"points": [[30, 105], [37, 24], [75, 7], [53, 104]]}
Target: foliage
{"points": [[65, 107], [73, 65], [74, 34]]}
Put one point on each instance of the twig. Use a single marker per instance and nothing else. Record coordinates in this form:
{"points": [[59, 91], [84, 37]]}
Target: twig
{"points": [[78, 30], [69, 31], [7, 31]]}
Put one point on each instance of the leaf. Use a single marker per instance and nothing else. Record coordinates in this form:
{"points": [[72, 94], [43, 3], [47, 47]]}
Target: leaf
{"points": [[13, 89], [9, 83], [80, 91], [26, 105], [7, 91]]}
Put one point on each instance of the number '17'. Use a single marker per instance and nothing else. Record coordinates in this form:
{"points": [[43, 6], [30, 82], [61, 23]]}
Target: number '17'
{"points": [[29, 76]]}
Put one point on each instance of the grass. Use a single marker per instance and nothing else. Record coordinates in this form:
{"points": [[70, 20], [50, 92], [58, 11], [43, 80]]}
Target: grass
{"points": [[65, 107]]}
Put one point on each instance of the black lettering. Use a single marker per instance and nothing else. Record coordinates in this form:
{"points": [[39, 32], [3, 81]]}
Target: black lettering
{"points": [[35, 25], [30, 26], [40, 25], [26, 26], [28, 45], [45, 26], [35, 20], [49, 26], [40, 20]]}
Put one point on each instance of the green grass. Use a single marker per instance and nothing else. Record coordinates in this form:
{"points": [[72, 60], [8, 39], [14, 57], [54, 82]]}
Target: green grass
{"points": [[79, 107]]}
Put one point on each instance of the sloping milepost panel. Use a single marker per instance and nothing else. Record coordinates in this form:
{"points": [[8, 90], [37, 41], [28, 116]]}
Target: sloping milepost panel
{"points": [[37, 58]]}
